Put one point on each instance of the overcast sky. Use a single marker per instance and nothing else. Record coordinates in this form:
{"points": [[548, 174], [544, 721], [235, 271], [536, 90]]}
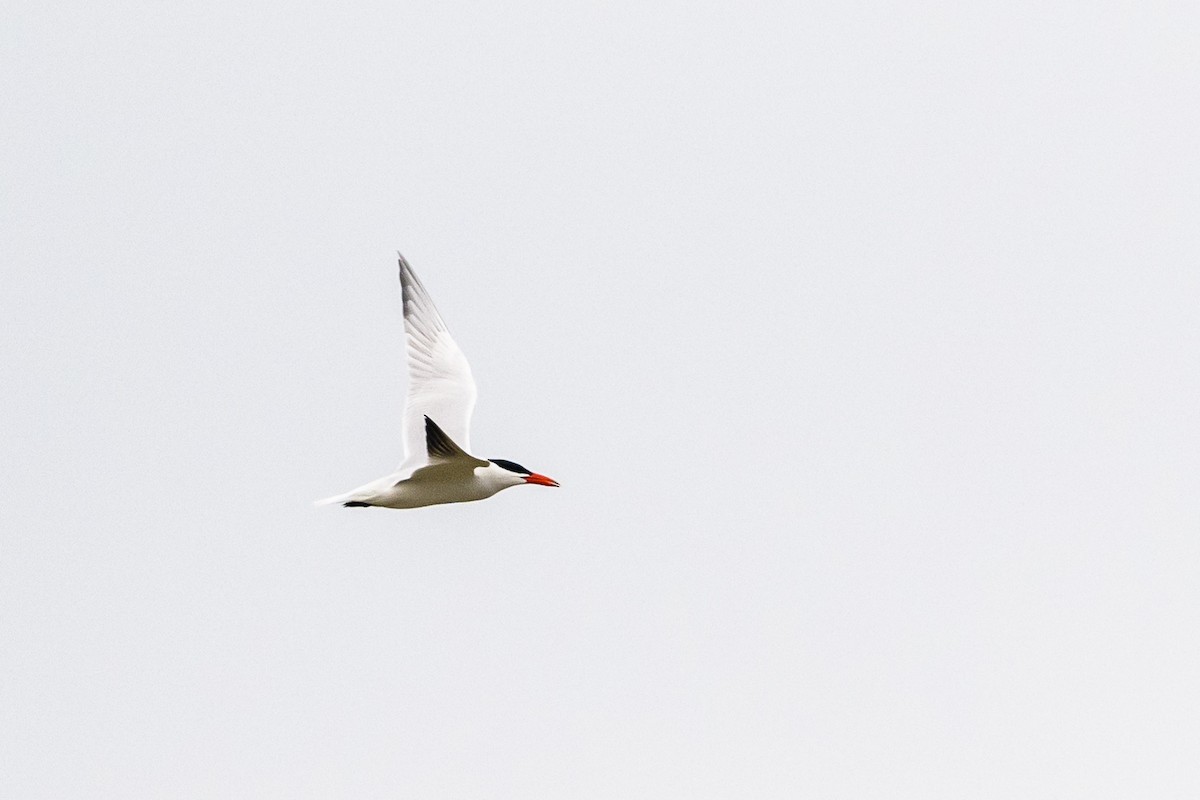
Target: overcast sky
{"points": [[862, 337]]}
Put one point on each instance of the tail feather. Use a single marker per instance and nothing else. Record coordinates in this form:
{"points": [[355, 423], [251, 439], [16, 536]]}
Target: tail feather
{"points": [[360, 497], [343, 499]]}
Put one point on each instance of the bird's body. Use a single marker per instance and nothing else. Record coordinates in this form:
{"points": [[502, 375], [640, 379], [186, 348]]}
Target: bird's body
{"points": [[432, 485], [437, 418]]}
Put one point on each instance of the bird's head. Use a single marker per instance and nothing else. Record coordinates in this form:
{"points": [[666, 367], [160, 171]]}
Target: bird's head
{"points": [[518, 474]]}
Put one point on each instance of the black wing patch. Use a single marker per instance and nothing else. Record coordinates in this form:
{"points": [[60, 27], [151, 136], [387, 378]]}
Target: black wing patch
{"points": [[439, 445]]}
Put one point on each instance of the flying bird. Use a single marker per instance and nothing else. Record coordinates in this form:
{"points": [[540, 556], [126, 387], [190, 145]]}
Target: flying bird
{"points": [[438, 466]]}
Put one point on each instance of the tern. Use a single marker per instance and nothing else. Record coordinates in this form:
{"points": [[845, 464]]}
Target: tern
{"points": [[438, 467]]}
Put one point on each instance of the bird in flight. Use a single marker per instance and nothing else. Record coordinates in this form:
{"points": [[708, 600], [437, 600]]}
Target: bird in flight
{"points": [[438, 467]]}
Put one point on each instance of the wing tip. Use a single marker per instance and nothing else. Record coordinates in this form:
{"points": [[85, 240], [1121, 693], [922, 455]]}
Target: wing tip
{"points": [[438, 444], [408, 282], [411, 287]]}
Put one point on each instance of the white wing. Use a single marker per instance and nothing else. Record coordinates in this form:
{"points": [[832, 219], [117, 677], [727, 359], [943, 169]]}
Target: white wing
{"points": [[440, 385]]}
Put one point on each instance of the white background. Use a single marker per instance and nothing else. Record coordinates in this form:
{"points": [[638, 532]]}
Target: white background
{"points": [[862, 337]]}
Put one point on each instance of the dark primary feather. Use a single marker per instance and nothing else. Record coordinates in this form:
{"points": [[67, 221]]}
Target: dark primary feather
{"points": [[438, 444]]}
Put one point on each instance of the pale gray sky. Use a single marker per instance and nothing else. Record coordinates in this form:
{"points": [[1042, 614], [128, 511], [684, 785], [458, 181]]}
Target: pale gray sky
{"points": [[862, 337]]}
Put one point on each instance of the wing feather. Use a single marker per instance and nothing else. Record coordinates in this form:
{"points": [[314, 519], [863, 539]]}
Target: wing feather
{"points": [[440, 384]]}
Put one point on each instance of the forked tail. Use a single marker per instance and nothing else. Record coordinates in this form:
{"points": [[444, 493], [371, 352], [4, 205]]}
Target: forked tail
{"points": [[348, 500]]}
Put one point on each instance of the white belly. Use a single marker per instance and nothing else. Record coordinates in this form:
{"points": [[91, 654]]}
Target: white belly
{"points": [[430, 487]]}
